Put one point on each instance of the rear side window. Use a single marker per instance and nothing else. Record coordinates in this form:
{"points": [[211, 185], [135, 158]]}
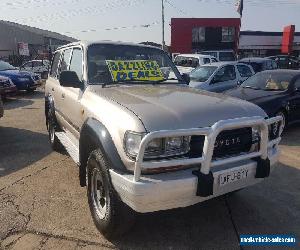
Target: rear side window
{"points": [[76, 63], [54, 66], [186, 61], [244, 70]]}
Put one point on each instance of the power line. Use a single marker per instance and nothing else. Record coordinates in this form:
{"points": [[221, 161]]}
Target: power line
{"points": [[114, 28], [176, 8]]}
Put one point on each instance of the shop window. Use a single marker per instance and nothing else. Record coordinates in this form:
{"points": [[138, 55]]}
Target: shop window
{"points": [[228, 34], [198, 35]]}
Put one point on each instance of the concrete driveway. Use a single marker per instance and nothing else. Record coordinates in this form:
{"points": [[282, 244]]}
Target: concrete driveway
{"points": [[42, 205]]}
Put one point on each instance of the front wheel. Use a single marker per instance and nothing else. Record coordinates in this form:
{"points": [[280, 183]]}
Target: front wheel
{"points": [[111, 216], [51, 125], [284, 121]]}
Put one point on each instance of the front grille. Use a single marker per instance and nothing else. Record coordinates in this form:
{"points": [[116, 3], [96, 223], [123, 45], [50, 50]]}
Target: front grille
{"points": [[228, 143], [274, 130]]}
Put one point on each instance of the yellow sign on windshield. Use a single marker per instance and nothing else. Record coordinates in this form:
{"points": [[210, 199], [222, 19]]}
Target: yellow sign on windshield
{"points": [[138, 70]]}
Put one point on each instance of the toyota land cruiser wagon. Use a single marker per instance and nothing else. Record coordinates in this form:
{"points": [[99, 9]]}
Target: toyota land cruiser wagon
{"points": [[143, 139]]}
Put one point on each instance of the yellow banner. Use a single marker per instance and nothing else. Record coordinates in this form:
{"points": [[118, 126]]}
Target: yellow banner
{"points": [[143, 70]]}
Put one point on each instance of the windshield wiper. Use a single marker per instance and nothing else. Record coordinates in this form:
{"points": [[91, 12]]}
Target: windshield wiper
{"points": [[127, 81], [250, 87]]}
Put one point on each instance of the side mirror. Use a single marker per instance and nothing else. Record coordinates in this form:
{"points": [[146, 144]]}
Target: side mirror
{"points": [[186, 78], [69, 79], [297, 90]]}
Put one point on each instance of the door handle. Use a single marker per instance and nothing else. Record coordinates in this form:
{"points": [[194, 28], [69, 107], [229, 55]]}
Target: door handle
{"points": [[63, 96]]}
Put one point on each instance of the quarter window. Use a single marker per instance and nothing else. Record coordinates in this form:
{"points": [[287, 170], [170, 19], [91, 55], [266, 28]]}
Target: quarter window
{"points": [[244, 71], [76, 63], [55, 63]]}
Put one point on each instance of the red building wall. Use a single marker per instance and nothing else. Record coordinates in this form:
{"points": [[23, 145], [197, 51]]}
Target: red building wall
{"points": [[181, 31], [288, 39]]}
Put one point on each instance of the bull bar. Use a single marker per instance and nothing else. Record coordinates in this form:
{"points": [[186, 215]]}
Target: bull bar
{"points": [[210, 134]]}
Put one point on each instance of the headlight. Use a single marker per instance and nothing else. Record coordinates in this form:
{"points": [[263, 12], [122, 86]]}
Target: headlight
{"points": [[157, 148], [132, 142]]}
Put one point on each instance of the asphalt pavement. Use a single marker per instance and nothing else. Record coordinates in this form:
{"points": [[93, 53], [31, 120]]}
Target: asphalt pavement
{"points": [[42, 205]]}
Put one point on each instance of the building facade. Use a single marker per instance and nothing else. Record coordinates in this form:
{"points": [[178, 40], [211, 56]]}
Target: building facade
{"points": [[38, 41], [262, 43], [191, 35]]}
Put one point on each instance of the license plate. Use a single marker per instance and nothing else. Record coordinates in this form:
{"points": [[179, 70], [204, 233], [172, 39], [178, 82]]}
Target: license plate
{"points": [[233, 176]]}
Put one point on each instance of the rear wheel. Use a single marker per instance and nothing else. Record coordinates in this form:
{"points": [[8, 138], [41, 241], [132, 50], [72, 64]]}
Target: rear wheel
{"points": [[111, 216]]}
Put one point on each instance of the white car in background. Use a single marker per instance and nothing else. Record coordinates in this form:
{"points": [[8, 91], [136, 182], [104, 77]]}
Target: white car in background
{"points": [[187, 62], [220, 76], [221, 55], [40, 67]]}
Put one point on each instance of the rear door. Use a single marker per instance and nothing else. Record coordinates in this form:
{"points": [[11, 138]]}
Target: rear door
{"points": [[224, 79], [56, 89], [53, 87]]}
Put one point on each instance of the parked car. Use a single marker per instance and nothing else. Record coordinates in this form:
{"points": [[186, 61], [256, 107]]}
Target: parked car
{"points": [[40, 67], [7, 88], [22, 79], [187, 62], [277, 92], [260, 64], [221, 55], [1, 108], [220, 76], [145, 141], [286, 62]]}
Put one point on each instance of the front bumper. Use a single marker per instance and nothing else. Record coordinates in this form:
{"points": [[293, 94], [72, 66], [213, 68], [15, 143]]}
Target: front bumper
{"points": [[178, 189]]}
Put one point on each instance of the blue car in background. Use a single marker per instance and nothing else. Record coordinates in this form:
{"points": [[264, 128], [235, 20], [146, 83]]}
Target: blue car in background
{"points": [[23, 80]]}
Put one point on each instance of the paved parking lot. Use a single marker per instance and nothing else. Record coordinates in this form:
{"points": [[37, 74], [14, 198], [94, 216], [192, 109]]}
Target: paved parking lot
{"points": [[42, 205]]}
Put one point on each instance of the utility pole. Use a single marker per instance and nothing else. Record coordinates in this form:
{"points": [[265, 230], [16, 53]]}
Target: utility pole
{"points": [[163, 24]]}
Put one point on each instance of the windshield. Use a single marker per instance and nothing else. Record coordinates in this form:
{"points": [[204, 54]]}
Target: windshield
{"points": [[202, 73], [269, 81], [5, 66], [185, 61], [109, 63]]}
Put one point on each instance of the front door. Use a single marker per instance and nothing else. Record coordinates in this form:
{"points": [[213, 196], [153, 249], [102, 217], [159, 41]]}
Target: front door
{"points": [[71, 97], [224, 79]]}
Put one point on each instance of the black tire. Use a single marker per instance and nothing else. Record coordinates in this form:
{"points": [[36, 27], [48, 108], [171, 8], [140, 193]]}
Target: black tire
{"points": [[52, 128], [284, 117], [111, 216]]}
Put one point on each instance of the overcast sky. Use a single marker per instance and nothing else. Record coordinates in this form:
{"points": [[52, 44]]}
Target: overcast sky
{"points": [[140, 20]]}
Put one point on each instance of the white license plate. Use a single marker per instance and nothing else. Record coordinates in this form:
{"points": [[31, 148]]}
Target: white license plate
{"points": [[233, 176]]}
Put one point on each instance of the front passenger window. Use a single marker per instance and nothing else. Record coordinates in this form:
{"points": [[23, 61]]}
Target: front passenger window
{"points": [[76, 63]]}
